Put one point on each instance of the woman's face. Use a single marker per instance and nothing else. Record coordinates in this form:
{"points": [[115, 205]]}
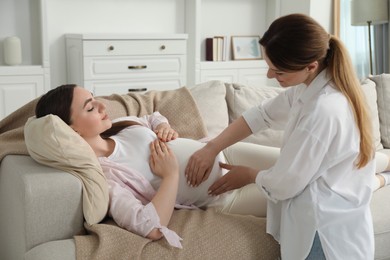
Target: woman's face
{"points": [[88, 116], [291, 78]]}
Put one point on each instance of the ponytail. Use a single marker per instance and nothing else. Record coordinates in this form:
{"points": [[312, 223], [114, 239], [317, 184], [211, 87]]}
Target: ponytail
{"points": [[339, 66]]}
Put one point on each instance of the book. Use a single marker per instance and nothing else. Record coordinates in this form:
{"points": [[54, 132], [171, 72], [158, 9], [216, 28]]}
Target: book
{"points": [[219, 47], [209, 49], [225, 49], [216, 48]]}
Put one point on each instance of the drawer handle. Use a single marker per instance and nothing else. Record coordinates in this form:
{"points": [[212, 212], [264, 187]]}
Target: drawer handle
{"points": [[140, 67], [137, 89], [111, 48], [162, 47]]}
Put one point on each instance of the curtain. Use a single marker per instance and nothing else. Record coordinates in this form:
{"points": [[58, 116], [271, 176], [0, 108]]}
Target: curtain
{"points": [[381, 49], [355, 39]]}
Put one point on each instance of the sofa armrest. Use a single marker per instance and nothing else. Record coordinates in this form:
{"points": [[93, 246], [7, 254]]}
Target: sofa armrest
{"points": [[38, 204]]}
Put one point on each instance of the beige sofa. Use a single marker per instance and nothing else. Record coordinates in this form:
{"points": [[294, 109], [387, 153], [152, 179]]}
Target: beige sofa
{"points": [[42, 208]]}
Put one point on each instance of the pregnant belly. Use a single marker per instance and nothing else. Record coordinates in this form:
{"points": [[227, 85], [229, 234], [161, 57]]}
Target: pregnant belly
{"points": [[187, 195]]}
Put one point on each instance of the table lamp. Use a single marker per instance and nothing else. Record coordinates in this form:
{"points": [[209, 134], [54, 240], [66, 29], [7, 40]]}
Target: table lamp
{"points": [[365, 12]]}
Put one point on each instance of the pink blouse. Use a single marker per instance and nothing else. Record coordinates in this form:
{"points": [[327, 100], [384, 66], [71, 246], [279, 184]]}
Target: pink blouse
{"points": [[131, 193]]}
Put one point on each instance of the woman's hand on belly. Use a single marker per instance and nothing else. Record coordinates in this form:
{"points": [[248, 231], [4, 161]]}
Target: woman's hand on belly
{"points": [[237, 177], [163, 161], [165, 132]]}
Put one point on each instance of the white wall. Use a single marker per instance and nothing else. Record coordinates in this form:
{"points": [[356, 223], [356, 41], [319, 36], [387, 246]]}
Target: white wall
{"points": [[141, 16], [21, 18], [106, 16], [321, 10]]}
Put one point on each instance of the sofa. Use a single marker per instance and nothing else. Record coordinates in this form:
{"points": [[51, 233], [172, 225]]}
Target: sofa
{"points": [[42, 207]]}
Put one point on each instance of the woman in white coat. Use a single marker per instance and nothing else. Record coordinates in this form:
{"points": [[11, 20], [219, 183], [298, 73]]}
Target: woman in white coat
{"points": [[320, 186]]}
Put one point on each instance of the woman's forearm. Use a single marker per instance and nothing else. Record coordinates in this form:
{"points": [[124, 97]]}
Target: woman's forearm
{"points": [[165, 199], [234, 133]]}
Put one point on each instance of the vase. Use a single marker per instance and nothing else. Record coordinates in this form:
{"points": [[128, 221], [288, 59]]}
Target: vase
{"points": [[12, 51]]}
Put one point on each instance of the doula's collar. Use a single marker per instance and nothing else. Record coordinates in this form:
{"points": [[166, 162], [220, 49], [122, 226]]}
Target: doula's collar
{"points": [[315, 86]]}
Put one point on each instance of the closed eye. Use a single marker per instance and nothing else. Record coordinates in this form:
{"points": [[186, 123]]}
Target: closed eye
{"points": [[91, 109]]}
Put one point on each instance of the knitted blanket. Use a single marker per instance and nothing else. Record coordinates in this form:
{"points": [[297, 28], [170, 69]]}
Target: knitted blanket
{"points": [[206, 235]]}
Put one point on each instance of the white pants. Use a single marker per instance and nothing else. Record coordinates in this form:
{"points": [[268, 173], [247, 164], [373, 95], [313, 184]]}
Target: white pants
{"points": [[248, 200]]}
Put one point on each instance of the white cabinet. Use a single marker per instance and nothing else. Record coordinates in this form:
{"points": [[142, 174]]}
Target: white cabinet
{"points": [[106, 64], [18, 87], [251, 73], [20, 84]]}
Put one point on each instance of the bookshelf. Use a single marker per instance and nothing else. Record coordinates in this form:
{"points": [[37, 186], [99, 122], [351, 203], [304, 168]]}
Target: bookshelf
{"points": [[22, 83], [208, 18]]}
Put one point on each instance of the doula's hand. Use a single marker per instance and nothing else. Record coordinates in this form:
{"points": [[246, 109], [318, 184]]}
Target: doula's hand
{"points": [[199, 166], [162, 161], [237, 177], [165, 132]]}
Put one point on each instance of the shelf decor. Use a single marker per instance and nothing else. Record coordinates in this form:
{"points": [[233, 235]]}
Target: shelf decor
{"points": [[12, 51], [246, 48]]}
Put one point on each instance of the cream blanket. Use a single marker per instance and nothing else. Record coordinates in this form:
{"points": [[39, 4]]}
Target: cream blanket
{"points": [[206, 234]]}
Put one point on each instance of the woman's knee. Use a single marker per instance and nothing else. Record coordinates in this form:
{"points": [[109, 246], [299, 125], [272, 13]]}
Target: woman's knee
{"points": [[252, 155]]}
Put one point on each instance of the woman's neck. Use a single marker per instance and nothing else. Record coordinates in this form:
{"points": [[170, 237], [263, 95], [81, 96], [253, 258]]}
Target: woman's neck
{"points": [[103, 147]]}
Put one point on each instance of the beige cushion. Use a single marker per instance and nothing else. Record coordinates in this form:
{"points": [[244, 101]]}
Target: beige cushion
{"points": [[383, 92], [369, 89], [210, 99], [240, 98], [383, 160], [53, 143]]}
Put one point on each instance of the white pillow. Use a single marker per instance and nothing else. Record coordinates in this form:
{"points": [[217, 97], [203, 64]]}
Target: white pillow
{"points": [[210, 99], [50, 141], [240, 98]]}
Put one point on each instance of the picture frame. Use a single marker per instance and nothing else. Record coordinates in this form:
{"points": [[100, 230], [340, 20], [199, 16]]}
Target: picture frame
{"points": [[246, 48]]}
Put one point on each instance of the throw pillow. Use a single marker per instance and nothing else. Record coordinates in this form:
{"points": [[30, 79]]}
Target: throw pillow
{"points": [[50, 141], [210, 99], [240, 98], [383, 93]]}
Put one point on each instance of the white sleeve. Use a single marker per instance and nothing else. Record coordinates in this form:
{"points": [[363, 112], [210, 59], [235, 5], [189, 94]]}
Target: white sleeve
{"points": [[271, 113]]}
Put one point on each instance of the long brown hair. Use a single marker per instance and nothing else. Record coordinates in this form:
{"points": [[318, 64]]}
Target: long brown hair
{"points": [[58, 102], [294, 41], [117, 127]]}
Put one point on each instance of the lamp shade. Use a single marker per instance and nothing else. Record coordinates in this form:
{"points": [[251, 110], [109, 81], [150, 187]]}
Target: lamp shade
{"points": [[374, 11]]}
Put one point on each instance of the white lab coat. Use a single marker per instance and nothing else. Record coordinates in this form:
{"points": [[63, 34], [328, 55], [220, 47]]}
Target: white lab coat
{"points": [[315, 185]]}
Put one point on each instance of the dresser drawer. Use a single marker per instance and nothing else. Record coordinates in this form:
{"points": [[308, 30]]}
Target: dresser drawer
{"points": [[133, 47], [133, 67], [105, 88]]}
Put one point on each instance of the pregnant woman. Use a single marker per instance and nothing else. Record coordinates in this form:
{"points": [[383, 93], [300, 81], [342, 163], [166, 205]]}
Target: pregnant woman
{"points": [[143, 160]]}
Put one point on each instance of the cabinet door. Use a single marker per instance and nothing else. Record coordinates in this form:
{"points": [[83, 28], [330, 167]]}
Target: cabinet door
{"points": [[16, 91], [225, 75]]}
